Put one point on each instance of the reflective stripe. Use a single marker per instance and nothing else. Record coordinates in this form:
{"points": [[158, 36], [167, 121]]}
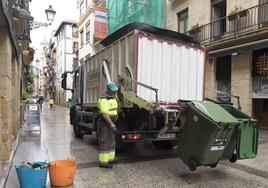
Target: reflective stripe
{"points": [[104, 157], [112, 155]]}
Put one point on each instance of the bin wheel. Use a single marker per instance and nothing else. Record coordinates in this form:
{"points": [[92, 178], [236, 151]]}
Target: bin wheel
{"points": [[214, 165], [77, 129], [192, 165], [233, 158]]}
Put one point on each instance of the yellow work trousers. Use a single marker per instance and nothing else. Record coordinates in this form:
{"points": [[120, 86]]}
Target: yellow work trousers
{"points": [[106, 141]]}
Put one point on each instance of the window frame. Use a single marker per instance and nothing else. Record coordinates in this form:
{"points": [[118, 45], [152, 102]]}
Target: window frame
{"points": [[82, 40], [88, 32], [82, 7], [179, 14]]}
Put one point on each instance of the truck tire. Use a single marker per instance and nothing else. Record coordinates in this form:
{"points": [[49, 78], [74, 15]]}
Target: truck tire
{"points": [[77, 129], [167, 144]]}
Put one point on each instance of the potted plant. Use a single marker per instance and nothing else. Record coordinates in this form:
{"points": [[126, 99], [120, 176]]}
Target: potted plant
{"points": [[233, 14], [195, 29], [243, 13]]}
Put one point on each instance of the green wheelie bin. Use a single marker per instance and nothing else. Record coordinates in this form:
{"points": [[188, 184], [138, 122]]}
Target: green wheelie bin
{"points": [[246, 142], [206, 133]]}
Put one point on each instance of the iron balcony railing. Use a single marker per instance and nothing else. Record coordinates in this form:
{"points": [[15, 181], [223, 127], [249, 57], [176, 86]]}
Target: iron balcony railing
{"points": [[244, 21]]}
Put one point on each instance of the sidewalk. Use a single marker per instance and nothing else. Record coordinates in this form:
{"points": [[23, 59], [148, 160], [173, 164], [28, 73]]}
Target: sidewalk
{"points": [[141, 165], [33, 146]]}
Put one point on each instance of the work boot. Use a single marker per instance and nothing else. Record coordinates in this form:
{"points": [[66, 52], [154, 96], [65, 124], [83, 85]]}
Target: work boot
{"points": [[114, 161], [108, 165]]}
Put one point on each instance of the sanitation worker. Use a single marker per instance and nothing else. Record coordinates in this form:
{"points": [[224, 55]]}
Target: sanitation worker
{"points": [[51, 103], [108, 107]]}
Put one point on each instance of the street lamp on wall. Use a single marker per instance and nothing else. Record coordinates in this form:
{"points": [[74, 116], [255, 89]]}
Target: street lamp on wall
{"points": [[18, 10], [50, 12]]}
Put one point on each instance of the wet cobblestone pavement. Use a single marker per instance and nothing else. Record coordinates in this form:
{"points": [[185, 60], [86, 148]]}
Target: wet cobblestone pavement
{"points": [[140, 165]]}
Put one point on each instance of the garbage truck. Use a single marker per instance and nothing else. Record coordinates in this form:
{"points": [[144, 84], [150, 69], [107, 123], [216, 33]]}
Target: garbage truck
{"points": [[153, 68], [158, 72]]}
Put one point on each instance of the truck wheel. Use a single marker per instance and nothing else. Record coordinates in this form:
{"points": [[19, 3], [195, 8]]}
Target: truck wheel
{"points": [[233, 158], [192, 165], [77, 129], [167, 144]]}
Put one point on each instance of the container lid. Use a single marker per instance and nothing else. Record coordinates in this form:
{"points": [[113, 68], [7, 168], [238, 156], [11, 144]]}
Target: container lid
{"points": [[148, 29], [214, 112]]}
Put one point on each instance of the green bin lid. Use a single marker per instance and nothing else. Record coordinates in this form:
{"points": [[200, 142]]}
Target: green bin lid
{"points": [[214, 112]]}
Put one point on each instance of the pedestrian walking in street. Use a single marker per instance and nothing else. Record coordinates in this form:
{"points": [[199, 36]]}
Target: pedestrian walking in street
{"points": [[51, 103], [108, 109], [40, 102]]}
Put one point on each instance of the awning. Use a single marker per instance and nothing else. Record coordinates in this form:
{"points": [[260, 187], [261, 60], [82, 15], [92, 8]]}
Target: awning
{"points": [[255, 45]]}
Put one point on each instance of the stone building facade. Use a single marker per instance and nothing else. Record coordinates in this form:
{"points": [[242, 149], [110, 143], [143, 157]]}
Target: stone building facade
{"points": [[14, 55], [235, 35]]}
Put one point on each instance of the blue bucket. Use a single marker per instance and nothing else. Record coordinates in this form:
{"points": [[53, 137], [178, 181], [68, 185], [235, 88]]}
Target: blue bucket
{"points": [[32, 178]]}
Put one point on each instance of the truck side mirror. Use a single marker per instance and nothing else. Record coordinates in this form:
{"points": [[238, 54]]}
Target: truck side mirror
{"points": [[64, 81]]}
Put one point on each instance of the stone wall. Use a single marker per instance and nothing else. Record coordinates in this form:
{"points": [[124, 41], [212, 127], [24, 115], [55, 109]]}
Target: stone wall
{"points": [[241, 81], [244, 4], [6, 92], [15, 96], [210, 81]]}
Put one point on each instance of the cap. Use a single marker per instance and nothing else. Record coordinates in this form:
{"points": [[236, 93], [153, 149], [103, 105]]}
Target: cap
{"points": [[112, 86]]}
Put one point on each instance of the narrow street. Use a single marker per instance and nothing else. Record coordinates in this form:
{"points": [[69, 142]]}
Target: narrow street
{"points": [[139, 165]]}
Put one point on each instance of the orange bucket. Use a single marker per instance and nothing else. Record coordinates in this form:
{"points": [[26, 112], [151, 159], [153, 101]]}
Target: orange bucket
{"points": [[62, 172]]}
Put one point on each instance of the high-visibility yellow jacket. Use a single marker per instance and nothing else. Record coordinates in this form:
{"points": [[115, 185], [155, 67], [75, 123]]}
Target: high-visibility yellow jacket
{"points": [[108, 105], [50, 101]]}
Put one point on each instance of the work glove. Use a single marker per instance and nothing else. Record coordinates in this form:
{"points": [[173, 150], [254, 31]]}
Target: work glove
{"points": [[115, 129]]}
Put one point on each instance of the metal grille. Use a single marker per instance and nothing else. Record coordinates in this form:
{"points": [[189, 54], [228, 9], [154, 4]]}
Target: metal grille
{"points": [[262, 65]]}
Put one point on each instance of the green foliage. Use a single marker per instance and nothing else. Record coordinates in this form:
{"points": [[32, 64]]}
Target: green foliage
{"points": [[235, 10], [24, 95], [30, 77]]}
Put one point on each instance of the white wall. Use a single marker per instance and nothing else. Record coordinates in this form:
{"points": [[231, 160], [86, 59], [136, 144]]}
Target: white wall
{"points": [[64, 56], [86, 49]]}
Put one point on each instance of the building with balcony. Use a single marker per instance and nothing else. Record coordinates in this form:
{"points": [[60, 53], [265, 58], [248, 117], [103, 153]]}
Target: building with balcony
{"points": [[92, 26], [43, 66], [66, 57], [235, 36], [50, 70]]}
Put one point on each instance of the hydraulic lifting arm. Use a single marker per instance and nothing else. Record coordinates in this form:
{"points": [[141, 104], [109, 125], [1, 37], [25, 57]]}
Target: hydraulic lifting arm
{"points": [[171, 115], [135, 99]]}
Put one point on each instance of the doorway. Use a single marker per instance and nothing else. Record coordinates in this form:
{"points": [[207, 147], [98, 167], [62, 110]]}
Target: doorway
{"points": [[223, 78], [260, 111]]}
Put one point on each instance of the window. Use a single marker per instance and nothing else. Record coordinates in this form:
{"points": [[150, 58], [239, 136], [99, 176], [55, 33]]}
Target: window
{"points": [[75, 32], [82, 8], [219, 11], [75, 47], [82, 38], [88, 3], [263, 11], [183, 21], [88, 32]]}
